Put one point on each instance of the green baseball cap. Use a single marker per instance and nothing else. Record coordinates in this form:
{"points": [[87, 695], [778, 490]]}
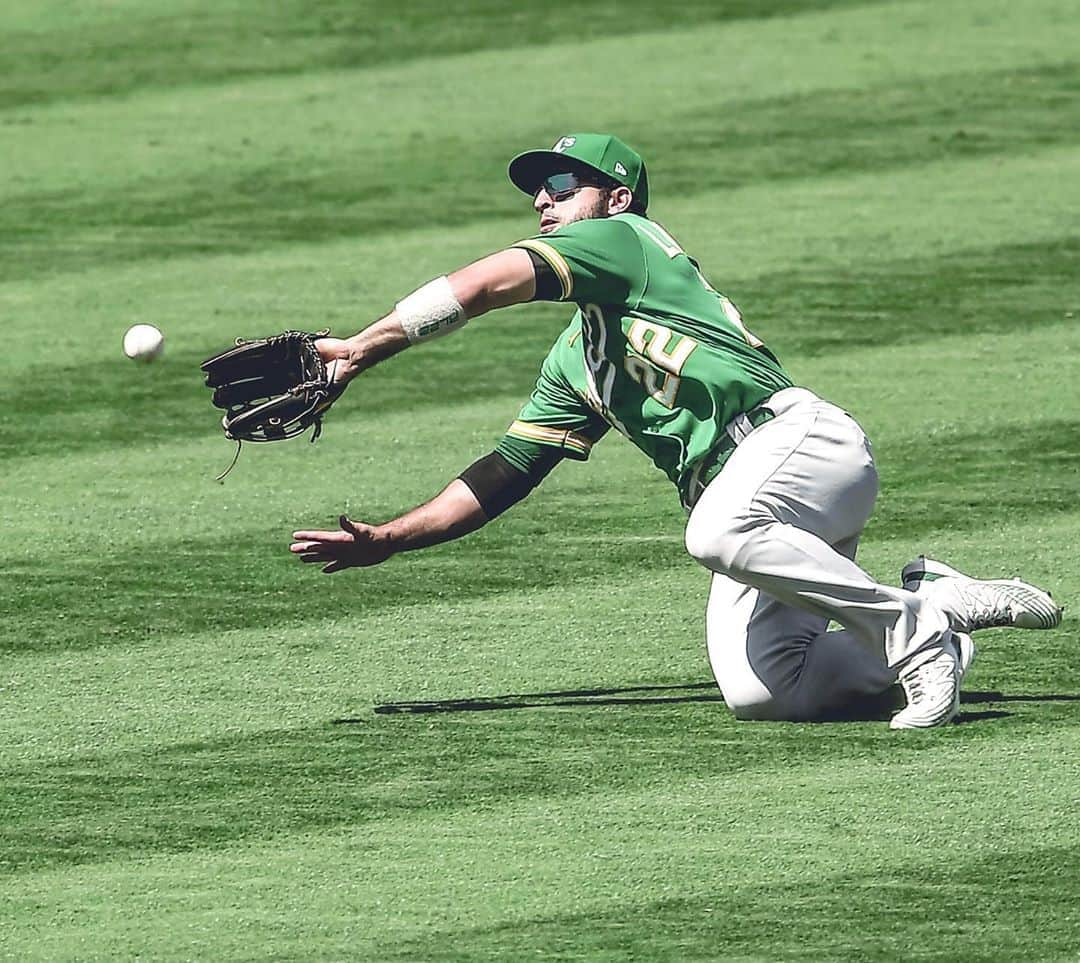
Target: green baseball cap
{"points": [[599, 152]]}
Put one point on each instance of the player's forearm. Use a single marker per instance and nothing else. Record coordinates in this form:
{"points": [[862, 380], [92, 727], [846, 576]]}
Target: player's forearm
{"points": [[441, 306], [452, 513], [375, 343]]}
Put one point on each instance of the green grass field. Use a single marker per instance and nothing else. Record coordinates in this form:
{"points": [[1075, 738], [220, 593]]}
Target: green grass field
{"points": [[510, 747]]}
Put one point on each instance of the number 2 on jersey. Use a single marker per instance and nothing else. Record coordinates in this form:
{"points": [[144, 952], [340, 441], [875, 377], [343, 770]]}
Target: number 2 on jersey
{"points": [[660, 378], [656, 366]]}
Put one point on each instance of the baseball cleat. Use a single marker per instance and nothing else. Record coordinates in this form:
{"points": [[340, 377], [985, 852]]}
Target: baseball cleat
{"points": [[932, 688], [973, 604]]}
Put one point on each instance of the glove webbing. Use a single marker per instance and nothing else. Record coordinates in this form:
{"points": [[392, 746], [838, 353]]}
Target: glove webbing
{"points": [[298, 389]]}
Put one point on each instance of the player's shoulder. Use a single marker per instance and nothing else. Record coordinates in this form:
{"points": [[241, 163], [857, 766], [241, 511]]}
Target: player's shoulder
{"points": [[606, 241], [595, 259]]}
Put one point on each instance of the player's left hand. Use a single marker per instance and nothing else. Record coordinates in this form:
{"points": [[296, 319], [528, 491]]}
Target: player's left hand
{"points": [[335, 353], [354, 544]]}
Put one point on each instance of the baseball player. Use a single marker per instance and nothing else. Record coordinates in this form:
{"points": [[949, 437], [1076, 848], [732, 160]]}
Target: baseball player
{"points": [[778, 483]]}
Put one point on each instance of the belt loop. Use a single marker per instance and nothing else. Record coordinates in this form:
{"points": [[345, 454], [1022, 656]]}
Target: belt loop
{"points": [[739, 427]]}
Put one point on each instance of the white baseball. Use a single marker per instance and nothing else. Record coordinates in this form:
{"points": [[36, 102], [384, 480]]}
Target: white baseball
{"points": [[143, 342]]}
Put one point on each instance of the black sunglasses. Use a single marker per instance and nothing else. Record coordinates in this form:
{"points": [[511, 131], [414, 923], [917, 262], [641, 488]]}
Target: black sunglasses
{"points": [[561, 186]]}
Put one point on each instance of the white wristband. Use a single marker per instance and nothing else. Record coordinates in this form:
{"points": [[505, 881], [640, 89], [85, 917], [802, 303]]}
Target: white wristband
{"points": [[430, 311]]}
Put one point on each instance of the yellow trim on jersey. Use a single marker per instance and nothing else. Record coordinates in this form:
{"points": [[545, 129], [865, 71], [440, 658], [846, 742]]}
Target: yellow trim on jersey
{"points": [[561, 437], [555, 259]]}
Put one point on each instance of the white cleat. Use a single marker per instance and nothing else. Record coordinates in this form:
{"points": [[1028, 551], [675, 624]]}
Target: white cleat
{"points": [[932, 688], [973, 604], [964, 642]]}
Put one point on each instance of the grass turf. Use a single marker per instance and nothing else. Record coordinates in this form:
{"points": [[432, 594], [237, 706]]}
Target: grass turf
{"points": [[508, 748]]}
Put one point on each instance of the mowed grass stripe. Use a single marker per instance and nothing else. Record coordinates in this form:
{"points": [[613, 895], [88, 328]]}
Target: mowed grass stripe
{"points": [[975, 909], [120, 48], [543, 644], [368, 113], [147, 593], [208, 793], [512, 879], [245, 141], [919, 914], [916, 301], [258, 200], [818, 224]]}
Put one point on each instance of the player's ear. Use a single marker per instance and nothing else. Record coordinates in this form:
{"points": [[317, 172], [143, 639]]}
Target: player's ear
{"points": [[619, 200]]}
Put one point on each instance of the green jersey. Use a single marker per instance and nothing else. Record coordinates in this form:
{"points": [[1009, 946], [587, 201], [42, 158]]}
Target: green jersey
{"points": [[653, 351]]}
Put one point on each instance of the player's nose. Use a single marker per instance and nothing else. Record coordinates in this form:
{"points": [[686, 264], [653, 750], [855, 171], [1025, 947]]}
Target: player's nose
{"points": [[542, 202]]}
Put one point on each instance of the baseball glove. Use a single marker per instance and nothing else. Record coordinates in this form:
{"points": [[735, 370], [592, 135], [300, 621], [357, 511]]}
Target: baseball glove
{"points": [[271, 388]]}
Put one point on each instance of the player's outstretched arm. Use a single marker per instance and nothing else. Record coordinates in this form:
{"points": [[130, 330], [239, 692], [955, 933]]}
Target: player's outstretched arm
{"points": [[452, 513], [439, 307], [483, 491]]}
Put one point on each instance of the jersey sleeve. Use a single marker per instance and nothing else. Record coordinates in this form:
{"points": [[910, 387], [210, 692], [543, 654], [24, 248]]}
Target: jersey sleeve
{"points": [[597, 260], [554, 421]]}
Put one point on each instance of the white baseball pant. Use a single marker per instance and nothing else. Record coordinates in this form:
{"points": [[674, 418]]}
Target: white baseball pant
{"points": [[778, 527]]}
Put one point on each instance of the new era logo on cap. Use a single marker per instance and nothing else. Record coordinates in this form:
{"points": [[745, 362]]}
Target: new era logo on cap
{"points": [[619, 169]]}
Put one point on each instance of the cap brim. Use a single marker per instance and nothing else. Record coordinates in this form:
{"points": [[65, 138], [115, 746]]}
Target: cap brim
{"points": [[527, 171]]}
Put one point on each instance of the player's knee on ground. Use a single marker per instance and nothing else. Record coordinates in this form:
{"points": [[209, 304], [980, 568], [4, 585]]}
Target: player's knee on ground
{"points": [[762, 706]]}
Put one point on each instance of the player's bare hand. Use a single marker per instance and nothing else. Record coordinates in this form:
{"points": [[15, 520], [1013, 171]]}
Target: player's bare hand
{"points": [[335, 352], [354, 544]]}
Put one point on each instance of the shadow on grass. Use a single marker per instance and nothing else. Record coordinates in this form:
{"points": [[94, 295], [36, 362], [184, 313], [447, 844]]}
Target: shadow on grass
{"points": [[870, 709], [584, 698], [982, 716], [993, 696]]}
